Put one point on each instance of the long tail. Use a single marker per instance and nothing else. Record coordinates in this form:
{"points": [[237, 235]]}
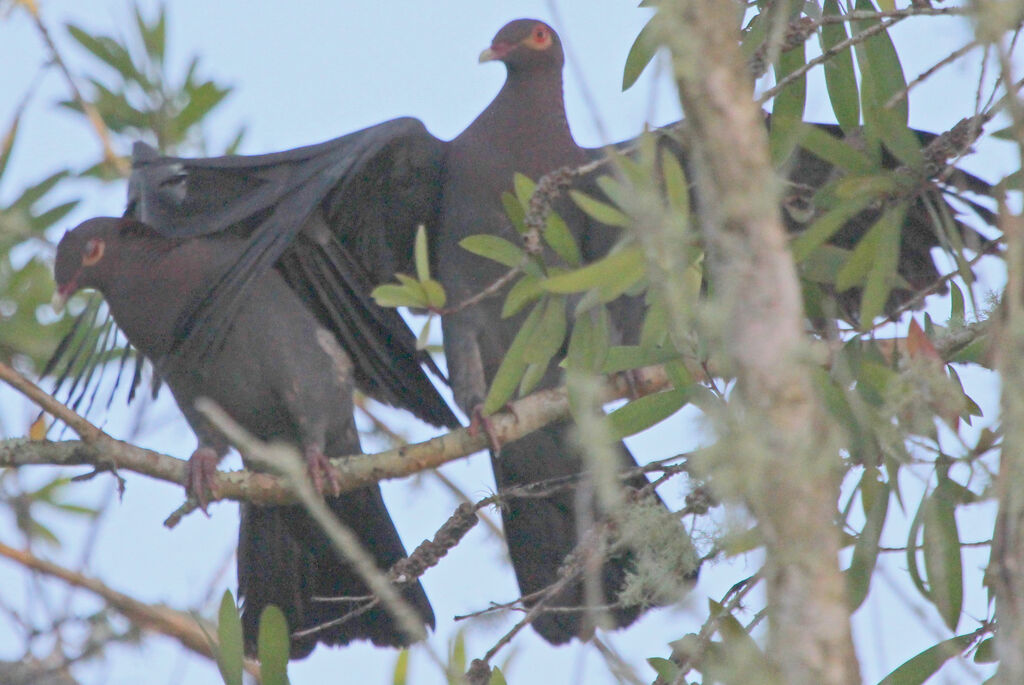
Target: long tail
{"points": [[542, 531], [285, 559]]}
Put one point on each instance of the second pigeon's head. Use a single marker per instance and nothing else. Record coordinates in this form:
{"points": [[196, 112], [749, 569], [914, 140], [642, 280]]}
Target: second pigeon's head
{"points": [[526, 45], [87, 255]]}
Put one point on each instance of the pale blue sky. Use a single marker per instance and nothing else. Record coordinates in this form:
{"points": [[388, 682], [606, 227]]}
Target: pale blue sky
{"points": [[306, 72]]}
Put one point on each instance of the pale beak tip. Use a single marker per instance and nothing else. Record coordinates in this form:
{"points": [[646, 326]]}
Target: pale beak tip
{"points": [[58, 301]]}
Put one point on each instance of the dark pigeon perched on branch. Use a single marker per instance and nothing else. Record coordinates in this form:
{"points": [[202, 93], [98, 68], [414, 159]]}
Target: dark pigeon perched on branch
{"points": [[278, 372], [362, 196]]}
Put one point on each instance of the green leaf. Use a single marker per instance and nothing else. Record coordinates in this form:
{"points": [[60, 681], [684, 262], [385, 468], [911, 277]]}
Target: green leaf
{"points": [[391, 295], [986, 652], [826, 226], [524, 187], [881, 79], [882, 274], [154, 36], [640, 54], [434, 293], [532, 377], [201, 101], [512, 367], [44, 220], [229, 636], [526, 290], [880, 68], [420, 254], [7, 142], [626, 265], [677, 190], [560, 239], [400, 675], [787, 106], [514, 211], [957, 308], [839, 75], [272, 646], [920, 668], [35, 192], [875, 501], [836, 151], [599, 211], [110, 52], [422, 340], [624, 357], [549, 334], [497, 677], [588, 343], [666, 669], [873, 262], [494, 248], [644, 412], [457, 658], [942, 561]]}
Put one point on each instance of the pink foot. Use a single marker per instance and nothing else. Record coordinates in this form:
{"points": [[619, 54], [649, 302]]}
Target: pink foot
{"points": [[199, 475], [478, 421], [321, 472]]}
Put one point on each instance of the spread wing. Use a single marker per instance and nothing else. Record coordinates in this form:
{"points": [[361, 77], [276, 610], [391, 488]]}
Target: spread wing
{"points": [[933, 217], [335, 218]]}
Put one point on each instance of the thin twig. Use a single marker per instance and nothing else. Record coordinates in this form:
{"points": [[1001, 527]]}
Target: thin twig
{"points": [[183, 627], [90, 111]]}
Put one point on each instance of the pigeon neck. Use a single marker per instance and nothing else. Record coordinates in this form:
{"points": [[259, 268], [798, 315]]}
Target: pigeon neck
{"points": [[531, 107]]}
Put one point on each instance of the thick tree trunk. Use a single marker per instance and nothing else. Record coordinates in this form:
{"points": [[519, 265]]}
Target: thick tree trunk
{"points": [[789, 478]]}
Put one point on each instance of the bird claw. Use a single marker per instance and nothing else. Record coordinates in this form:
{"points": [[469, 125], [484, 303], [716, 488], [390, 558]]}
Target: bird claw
{"points": [[321, 472], [200, 474], [478, 421]]}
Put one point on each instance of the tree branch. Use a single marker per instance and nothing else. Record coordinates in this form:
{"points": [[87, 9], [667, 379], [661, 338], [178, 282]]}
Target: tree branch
{"points": [[787, 443], [191, 631], [101, 451]]}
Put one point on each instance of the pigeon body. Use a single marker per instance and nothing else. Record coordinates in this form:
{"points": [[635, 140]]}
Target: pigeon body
{"points": [[279, 374]]}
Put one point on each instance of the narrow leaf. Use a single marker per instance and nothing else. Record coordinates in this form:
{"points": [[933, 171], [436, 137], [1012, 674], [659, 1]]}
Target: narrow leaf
{"points": [[560, 239], [606, 272], [942, 561], [549, 334], [272, 646], [865, 549], [644, 412], [920, 668], [839, 75], [640, 54], [512, 367], [787, 106], [420, 253], [391, 295], [229, 635], [494, 248], [600, 211], [524, 187]]}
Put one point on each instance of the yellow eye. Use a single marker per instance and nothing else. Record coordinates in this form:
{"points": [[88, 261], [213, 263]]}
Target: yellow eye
{"points": [[93, 251]]}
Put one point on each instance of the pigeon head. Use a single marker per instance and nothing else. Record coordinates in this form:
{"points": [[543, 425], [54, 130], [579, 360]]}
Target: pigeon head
{"points": [[526, 45], [88, 255]]}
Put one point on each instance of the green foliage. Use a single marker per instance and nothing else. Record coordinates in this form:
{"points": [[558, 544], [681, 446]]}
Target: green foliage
{"points": [[272, 644], [229, 641], [33, 508], [136, 96], [272, 647]]}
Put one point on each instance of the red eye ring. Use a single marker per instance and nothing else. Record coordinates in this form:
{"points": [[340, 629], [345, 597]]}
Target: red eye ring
{"points": [[93, 251]]}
